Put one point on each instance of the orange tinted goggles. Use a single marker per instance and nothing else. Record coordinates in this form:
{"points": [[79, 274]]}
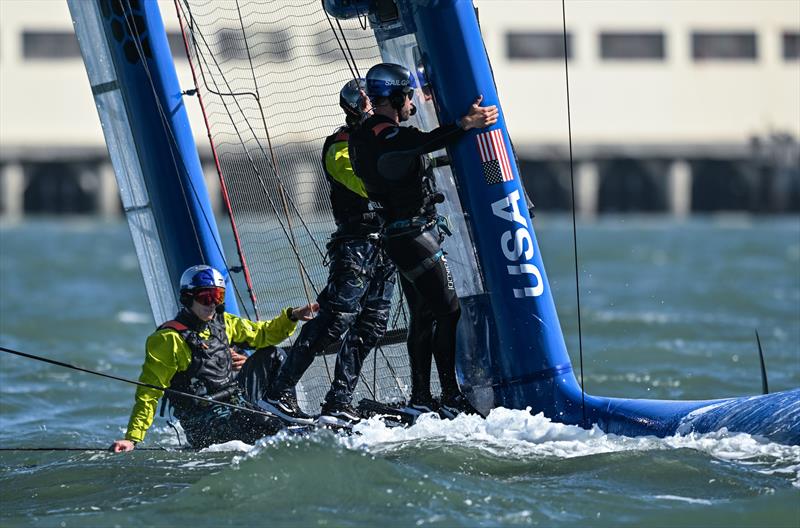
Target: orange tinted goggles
{"points": [[209, 296]]}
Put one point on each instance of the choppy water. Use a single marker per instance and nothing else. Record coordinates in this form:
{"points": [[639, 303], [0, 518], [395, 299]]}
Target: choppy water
{"points": [[669, 311]]}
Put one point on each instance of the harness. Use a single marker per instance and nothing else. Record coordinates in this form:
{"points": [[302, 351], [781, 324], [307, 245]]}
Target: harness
{"points": [[347, 206], [210, 372]]}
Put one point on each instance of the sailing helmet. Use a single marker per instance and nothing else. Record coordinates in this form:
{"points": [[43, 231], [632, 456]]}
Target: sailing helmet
{"points": [[201, 276], [350, 97], [386, 79]]}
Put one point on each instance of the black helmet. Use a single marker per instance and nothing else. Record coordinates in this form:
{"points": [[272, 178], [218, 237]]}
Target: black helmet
{"points": [[385, 79], [350, 97]]}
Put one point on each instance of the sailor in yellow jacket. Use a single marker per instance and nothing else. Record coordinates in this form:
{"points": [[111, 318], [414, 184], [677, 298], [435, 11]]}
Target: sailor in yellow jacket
{"points": [[193, 354]]}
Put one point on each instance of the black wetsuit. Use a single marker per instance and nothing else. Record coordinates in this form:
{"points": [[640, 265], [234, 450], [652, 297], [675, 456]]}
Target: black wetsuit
{"points": [[388, 159]]}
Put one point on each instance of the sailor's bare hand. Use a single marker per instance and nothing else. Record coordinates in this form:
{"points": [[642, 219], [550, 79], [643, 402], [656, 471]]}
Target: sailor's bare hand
{"points": [[479, 116], [305, 313], [120, 446], [364, 103], [238, 359]]}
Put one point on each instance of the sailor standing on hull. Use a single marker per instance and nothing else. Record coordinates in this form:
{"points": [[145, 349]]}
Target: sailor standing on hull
{"points": [[358, 295], [193, 354], [388, 159]]}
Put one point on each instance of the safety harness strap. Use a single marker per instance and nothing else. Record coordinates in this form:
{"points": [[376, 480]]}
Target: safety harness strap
{"points": [[427, 264]]}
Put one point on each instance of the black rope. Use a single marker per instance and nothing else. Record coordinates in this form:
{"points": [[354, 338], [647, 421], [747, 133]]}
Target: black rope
{"points": [[353, 69], [203, 60], [177, 163], [242, 266], [574, 226], [347, 45], [261, 148], [165, 390], [90, 449]]}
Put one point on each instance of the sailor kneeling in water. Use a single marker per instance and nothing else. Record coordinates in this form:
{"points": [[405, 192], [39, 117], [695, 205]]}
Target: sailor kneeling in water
{"points": [[193, 354]]}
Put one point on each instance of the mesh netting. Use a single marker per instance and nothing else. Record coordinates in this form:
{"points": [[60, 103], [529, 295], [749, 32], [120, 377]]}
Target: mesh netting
{"points": [[269, 73]]}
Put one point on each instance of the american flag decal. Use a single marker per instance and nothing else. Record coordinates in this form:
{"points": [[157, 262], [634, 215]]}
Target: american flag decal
{"points": [[494, 157]]}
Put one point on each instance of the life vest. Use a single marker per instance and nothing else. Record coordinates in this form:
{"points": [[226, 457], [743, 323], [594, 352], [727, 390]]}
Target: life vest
{"points": [[211, 366], [347, 206], [393, 178]]}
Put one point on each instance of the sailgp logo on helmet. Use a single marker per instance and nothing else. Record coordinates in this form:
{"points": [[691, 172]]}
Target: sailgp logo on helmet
{"points": [[385, 79]]}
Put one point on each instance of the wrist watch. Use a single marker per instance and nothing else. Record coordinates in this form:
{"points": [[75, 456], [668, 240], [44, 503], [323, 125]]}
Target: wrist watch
{"points": [[290, 314]]}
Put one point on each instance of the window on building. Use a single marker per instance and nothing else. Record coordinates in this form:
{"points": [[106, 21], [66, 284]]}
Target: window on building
{"points": [[50, 45], [537, 45], [632, 46], [724, 46], [791, 45]]}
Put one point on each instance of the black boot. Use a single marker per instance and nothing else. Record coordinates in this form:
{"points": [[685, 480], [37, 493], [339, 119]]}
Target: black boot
{"points": [[336, 413], [285, 407], [454, 405]]}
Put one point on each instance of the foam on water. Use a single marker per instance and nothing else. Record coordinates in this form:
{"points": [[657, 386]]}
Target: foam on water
{"points": [[519, 435]]}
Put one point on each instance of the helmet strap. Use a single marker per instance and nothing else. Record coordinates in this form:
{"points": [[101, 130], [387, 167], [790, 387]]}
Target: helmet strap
{"points": [[186, 299]]}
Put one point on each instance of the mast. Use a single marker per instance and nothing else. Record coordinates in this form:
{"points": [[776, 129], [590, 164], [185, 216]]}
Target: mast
{"points": [[140, 105], [510, 347]]}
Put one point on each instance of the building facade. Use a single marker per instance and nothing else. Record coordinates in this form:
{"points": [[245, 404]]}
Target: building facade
{"points": [[674, 106]]}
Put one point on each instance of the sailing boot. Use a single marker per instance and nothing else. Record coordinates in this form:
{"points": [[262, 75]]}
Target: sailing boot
{"points": [[421, 405], [339, 414], [285, 407], [452, 406]]}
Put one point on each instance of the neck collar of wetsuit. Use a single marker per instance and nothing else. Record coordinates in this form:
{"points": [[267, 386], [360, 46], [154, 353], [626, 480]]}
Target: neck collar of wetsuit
{"points": [[191, 320]]}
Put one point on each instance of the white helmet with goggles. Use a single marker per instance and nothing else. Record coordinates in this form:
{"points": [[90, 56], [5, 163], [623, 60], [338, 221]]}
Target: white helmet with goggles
{"points": [[201, 276]]}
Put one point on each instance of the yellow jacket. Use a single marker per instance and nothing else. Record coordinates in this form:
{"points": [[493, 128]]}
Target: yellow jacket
{"points": [[166, 353]]}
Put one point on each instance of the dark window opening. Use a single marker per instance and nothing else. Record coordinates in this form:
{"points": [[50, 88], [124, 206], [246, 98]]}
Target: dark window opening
{"points": [[50, 45], [538, 45], [791, 45], [724, 185], [59, 188], [546, 183], [630, 185], [724, 46], [632, 46]]}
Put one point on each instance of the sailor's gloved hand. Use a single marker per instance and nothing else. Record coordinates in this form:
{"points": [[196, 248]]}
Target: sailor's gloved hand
{"points": [[479, 116], [305, 313], [122, 445], [238, 359]]}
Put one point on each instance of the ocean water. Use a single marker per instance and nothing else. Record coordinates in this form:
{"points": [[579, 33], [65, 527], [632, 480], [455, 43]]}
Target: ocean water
{"points": [[669, 310]]}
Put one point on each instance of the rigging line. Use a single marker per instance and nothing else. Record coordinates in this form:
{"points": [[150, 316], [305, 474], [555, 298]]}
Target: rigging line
{"points": [[347, 45], [397, 382], [242, 142], [173, 142], [238, 133], [281, 187], [374, 375], [328, 16], [90, 449], [165, 390], [225, 194], [574, 226], [307, 229]]}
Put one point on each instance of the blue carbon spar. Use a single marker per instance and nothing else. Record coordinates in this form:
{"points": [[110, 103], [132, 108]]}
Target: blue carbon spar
{"points": [[159, 134], [522, 346]]}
